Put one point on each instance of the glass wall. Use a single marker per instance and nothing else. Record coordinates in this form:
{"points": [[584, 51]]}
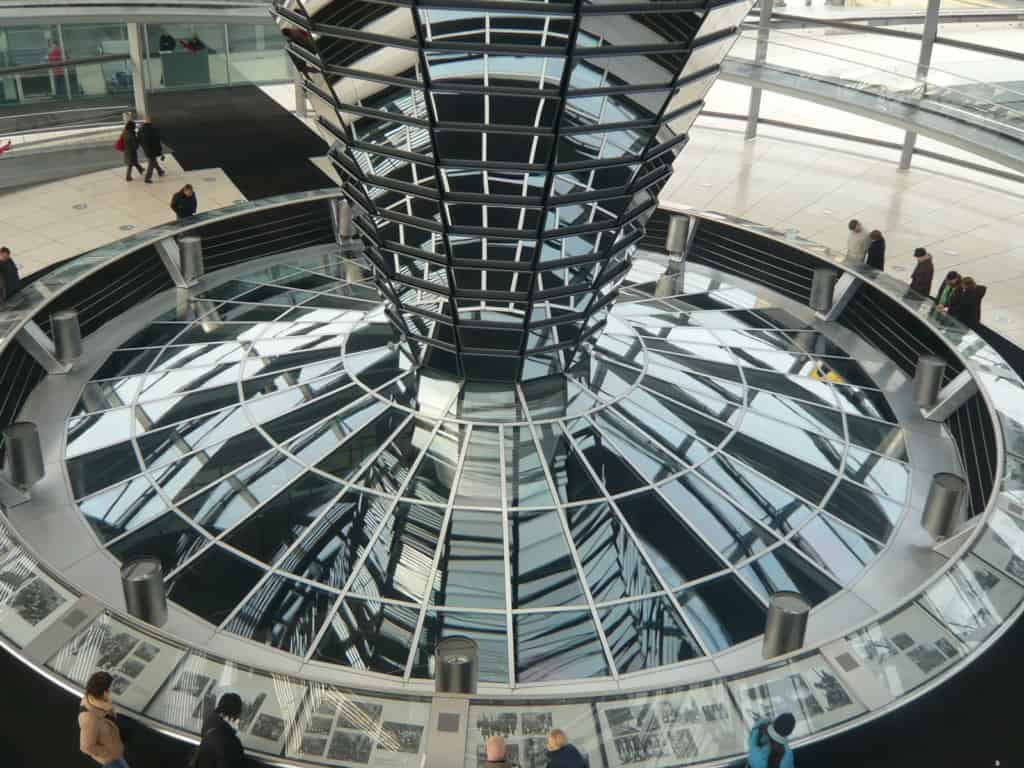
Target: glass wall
{"points": [[257, 54], [186, 55]]}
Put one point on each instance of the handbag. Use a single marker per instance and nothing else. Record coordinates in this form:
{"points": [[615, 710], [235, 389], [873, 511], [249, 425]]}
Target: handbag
{"points": [[119, 144]]}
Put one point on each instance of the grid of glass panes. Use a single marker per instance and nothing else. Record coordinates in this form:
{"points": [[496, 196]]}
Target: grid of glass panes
{"points": [[353, 512], [506, 160]]}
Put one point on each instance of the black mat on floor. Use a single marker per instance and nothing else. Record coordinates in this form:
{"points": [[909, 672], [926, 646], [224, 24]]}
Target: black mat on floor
{"points": [[261, 146]]}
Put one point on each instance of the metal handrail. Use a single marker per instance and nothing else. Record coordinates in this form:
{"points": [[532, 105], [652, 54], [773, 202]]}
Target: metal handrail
{"points": [[63, 63]]}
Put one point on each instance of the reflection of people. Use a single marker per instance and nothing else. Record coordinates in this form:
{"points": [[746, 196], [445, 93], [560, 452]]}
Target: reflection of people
{"points": [[220, 746], [99, 735], [768, 745], [193, 43], [562, 754], [167, 42]]}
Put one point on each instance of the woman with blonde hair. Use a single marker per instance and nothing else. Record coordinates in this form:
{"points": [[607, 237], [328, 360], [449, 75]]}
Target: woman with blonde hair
{"points": [[562, 754]]}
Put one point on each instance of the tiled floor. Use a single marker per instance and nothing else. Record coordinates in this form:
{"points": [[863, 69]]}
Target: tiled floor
{"points": [[51, 222], [970, 222]]}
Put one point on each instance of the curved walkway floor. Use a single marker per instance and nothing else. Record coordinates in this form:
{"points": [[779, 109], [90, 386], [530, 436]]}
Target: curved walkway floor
{"points": [[969, 221]]}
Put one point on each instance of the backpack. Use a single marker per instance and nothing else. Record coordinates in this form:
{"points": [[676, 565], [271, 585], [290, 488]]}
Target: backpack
{"points": [[119, 144]]}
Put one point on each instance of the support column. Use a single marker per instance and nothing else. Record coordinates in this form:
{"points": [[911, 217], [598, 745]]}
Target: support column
{"points": [[924, 60], [24, 454], [764, 26], [823, 287], [928, 380], [67, 336], [944, 508], [138, 65], [145, 596]]}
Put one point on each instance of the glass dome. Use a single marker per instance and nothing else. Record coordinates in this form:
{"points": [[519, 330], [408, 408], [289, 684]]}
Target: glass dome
{"points": [[632, 513]]}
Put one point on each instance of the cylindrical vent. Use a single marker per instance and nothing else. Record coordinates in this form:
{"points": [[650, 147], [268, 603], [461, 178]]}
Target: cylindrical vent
{"points": [[457, 665], [67, 336], [786, 625], [822, 289], [944, 509], [346, 229], [191, 258], [928, 380], [678, 231], [24, 454], [144, 592]]}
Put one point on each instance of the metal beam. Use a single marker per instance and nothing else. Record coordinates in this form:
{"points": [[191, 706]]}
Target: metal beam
{"points": [[845, 290], [138, 63], [764, 27], [952, 396], [39, 346], [170, 255], [924, 60]]}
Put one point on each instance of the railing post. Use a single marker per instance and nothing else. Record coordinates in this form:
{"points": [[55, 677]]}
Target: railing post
{"points": [[192, 267], [145, 596], [944, 508], [786, 624], [928, 380], [822, 289], [67, 336]]}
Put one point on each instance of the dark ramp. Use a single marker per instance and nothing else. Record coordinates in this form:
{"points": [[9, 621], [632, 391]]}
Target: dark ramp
{"points": [[261, 146]]}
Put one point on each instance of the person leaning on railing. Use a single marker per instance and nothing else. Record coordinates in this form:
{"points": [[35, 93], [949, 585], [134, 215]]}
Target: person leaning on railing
{"points": [[10, 281], [185, 202]]}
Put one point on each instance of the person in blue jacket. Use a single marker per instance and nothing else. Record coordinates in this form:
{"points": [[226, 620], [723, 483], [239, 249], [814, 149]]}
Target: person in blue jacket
{"points": [[768, 745]]}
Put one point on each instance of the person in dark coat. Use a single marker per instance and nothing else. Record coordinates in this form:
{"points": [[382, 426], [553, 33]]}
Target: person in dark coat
{"points": [[949, 288], [876, 250], [149, 140], [921, 277], [131, 149], [10, 281], [220, 746], [184, 202], [562, 754], [965, 305]]}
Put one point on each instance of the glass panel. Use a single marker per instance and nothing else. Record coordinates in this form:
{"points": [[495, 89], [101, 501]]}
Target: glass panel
{"points": [[646, 633], [472, 565], [489, 630], [807, 688], [543, 573], [782, 569], [186, 55], [557, 646], [283, 613], [525, 727], [168, 538], [722, 612], [122, 508], [903, 650], [139, 663], [257, 54], [370, 635], [234, 577], [270, 703]]}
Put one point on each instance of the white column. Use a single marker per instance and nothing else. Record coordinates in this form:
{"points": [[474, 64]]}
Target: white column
{"points": [[138, 67]]}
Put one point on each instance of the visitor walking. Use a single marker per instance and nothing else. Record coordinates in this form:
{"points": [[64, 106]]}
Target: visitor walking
{"points": [[876, 250], [949, 288], [220, 746], [965, 305], [184, 202], [149, 140], [768, 744], [99, 734], [921, 277], [856, 241], [10, 280], [129, 143], [562, 754]]}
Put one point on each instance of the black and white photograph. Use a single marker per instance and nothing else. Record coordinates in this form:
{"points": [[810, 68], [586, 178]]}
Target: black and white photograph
{"points": [[927, 658], [114, 647], [639, 747], [627, 721], [36, 601], [400, 737], [250, 707], [359, 715], [119, 685], [191, 683], [146, 651], [714, 712], [313, 745], [132, 668], [683, 744], [948, 649], [536, 723], [986, 579], [268, 727], [833, 691], [12, 579], [319, 724], [1015, 567], [903, 641], [807, 701], [534, 753], [350, 747], [500, 724]]}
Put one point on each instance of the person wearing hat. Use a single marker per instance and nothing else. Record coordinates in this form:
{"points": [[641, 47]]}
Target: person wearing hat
{"points": [[768, 745], [220, 746]]}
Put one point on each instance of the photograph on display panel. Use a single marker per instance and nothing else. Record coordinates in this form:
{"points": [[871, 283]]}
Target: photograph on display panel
{"points": [[972, 599], [1002, 544], [525, 729], [139, 666], [808, 688], [684, 726], [269, 703], [348, 728], [30, 601]]}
